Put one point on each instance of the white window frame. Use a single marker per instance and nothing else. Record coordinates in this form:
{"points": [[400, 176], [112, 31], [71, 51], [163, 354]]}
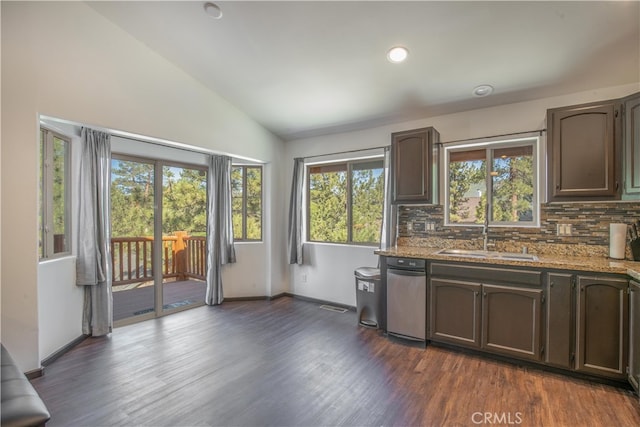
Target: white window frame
{"points": [[46, 195], [489, 145], [244, 167], [348, 162]]}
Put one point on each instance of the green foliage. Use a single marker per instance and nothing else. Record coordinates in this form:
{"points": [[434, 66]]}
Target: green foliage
{"points": [[513, 189], [246, 190], [184, 201], [512, 182], [328, 207], [462, 175], [132, 200], [329, 210], [367, 202], [60, 148]]}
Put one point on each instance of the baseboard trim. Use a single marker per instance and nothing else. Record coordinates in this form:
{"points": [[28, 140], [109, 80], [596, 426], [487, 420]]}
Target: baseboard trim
{"points": [[320, 301], [57, 354], [36, 373], [290, 295], [256, 298]]}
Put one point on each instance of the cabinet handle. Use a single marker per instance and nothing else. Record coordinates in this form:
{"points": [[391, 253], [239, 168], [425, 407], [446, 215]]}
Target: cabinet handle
{"points": [[551, 284], [484, 294], [557, 186]]}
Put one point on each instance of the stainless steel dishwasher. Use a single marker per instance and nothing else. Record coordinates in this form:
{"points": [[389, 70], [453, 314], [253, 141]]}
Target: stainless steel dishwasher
{"points": [[407, 298]]}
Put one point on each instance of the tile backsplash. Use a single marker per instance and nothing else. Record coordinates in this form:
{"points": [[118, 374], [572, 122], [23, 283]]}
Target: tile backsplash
{"points": [[424, 226]]}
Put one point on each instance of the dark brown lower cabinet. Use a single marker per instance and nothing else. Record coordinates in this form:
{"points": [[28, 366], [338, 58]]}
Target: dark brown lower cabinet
{"points": [[634, 335], [511, 321], [560, 321], [567, 319], [455, 312], [601, 327], [500, 319]]}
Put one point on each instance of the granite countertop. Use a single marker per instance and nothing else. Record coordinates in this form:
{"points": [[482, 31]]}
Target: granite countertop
{"points": [[591, 264]]}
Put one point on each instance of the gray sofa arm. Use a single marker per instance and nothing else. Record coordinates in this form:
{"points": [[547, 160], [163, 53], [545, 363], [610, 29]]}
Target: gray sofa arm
{"points": [[21, 404]]}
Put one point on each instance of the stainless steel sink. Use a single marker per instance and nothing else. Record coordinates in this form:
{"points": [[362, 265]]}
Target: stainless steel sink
{"points": [[517, 256], [470, 253], [465, 253]]}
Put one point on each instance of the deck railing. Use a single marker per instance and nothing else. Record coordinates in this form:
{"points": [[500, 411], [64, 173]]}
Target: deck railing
{"points": [[183, 257]]}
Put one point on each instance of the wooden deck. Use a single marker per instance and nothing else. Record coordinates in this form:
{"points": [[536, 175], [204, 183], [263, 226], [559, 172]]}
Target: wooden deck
{"points": [[138, 301]]}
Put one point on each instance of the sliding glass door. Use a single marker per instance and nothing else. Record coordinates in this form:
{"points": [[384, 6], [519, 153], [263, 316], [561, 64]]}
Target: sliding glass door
{"points": [[158, 214], [184, 227]]}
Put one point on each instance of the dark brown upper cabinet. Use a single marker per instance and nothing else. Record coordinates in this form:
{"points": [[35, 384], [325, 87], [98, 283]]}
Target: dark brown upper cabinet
{"points": [[631, 124], [414, 175], [584, 152]]}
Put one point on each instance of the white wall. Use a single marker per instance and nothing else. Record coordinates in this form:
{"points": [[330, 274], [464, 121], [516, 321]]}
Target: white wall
{"points": [[328, 272], [327, 266], [89, 71], [59, 305]]}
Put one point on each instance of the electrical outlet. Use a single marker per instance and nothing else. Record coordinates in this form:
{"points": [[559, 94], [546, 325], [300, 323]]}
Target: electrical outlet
{"points": [[564, 229], [303, 278]]}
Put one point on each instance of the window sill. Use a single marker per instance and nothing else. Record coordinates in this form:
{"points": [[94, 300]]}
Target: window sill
{"points": [[346, 245], [66, 257]]}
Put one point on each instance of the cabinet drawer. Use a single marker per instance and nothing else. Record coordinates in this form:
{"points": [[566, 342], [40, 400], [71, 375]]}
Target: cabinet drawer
{"points": [[487, 274]]}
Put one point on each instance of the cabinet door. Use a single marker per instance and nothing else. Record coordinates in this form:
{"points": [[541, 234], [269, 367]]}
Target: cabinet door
{"points": [[634, 335], [632, 144], [583, 162], [455, 312], [601, 329], [413, 165], [511, 319], [559, 332]]}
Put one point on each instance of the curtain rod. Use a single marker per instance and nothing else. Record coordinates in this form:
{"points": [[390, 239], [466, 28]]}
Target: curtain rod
{"points": [[183, 147], [167, 144], [540, 131], [344, 152]]}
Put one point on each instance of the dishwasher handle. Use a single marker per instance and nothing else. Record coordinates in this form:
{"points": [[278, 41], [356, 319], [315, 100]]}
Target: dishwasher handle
{"points": [[399, 272]]}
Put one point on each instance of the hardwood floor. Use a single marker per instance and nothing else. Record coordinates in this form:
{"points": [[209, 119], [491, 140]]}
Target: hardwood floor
{"points": [[289, 363]]}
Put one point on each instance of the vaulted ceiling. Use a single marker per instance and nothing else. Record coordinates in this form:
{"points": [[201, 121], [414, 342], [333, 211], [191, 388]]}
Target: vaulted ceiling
{"points": [[307, 68]]}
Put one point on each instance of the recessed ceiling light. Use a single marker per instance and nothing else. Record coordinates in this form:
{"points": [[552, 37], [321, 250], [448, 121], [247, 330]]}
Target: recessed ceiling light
{"points": [[397, 54], [213, 10], [482, 90]]}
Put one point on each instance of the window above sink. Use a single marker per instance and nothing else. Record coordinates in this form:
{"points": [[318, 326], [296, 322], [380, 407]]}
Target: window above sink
{"points": [[501, 175]]}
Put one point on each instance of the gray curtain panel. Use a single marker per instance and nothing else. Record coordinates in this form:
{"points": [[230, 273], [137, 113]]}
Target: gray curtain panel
{"points": [[93, 266], [220, 249], [295, 213], [387, 215]]}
